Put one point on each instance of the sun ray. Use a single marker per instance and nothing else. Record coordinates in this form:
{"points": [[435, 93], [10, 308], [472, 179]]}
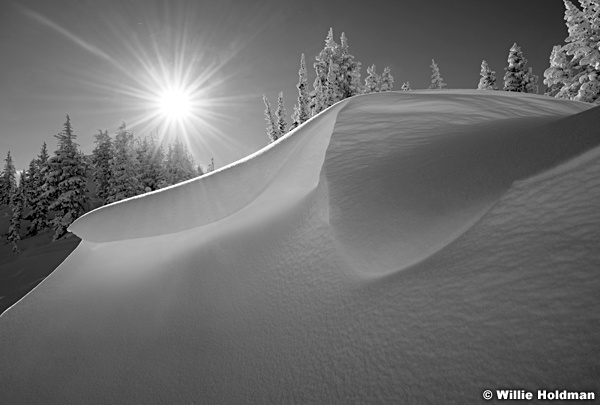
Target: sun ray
{"points": [[166, 77]]}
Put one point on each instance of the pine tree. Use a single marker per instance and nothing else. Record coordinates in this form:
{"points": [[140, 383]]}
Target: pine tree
{"points": [[124, 167], [180, 165], [387, 80], [580, 26], [27, 182], [565, 77], [531, 82], [101, 157], [437, 83], [337, 75], [142, 154], [9, 180], [151, 169], [406, 86], [301, 110], [152, 163], [65, 183], [17, 204], [319, 97], [584, 42], [488, 78], [36, 199], [169, 177], [332, 92], [280, 115], [558, 74], [272, 127], [517, 78], [372, 81], [211, 166], [349, 71]]}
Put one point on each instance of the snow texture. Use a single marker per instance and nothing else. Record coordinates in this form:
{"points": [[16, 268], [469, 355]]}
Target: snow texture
{"points": [[400, 247]]}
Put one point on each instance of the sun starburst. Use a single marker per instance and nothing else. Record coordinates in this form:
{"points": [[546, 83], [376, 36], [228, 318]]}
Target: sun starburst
{"points": [[174, 104], [166, 75]]}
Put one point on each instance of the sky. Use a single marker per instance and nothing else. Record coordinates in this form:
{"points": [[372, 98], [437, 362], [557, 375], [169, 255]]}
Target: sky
{"points": [[104, 62]]}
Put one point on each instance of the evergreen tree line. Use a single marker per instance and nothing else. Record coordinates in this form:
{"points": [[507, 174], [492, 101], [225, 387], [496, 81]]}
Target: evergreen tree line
{"points": [[338, 77], [517, 76], [574, 72], [53, 192]]}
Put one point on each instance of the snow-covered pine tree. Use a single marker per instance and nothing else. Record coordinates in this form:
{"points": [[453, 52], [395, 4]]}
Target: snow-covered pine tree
{"points": [[211, 166], [580, 26], [565, 74], [168, 161], [584, 45], [9, 180], [123, 181], [151, 157], [155, 172], [301, 110], [332, 93], [372, 81], [143, 157], [65, 182], [319, 97], [180, 165], [17, 205], [101, 157], [517, 77], [488, 78], [150, 153], [43, 155], [437, 83], [281, 116], [272, 127], [387, 80], [27, 182], [36, 199], [349, 71], [558, 75], [406, 86], [28, 186], [531, 82]]}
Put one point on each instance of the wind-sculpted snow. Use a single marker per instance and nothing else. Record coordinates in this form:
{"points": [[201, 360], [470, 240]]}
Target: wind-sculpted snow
{"points": [[406, 173], [274, 176], [446, 129], [414, 247], [409, 173]]}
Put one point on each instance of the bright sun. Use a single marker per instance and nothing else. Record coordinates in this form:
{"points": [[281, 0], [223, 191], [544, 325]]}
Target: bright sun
{"points": [[174, 104]]}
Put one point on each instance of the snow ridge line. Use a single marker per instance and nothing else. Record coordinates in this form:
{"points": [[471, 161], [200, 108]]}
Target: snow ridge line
{"points": [[219, 194]]}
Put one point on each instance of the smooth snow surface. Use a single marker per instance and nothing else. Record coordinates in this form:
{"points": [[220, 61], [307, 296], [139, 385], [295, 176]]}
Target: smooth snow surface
{"points": [[410, 247]]}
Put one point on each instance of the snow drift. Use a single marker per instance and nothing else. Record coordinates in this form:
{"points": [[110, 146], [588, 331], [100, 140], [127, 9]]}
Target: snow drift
{"points": [[399, 247]]}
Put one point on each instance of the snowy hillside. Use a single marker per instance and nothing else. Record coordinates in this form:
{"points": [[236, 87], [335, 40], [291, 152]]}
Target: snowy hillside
{"points": [[400, 247]]}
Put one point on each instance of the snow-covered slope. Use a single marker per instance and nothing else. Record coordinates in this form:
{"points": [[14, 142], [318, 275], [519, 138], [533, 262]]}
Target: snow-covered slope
{"points": [[398, 248]]}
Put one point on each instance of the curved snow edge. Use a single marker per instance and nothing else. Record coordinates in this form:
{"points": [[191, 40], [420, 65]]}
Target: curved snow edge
{"points": [[219, 194]]}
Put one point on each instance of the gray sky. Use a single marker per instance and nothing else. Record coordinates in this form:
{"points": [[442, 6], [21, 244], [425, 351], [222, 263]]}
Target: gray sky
{"points": [[103, 61]]}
